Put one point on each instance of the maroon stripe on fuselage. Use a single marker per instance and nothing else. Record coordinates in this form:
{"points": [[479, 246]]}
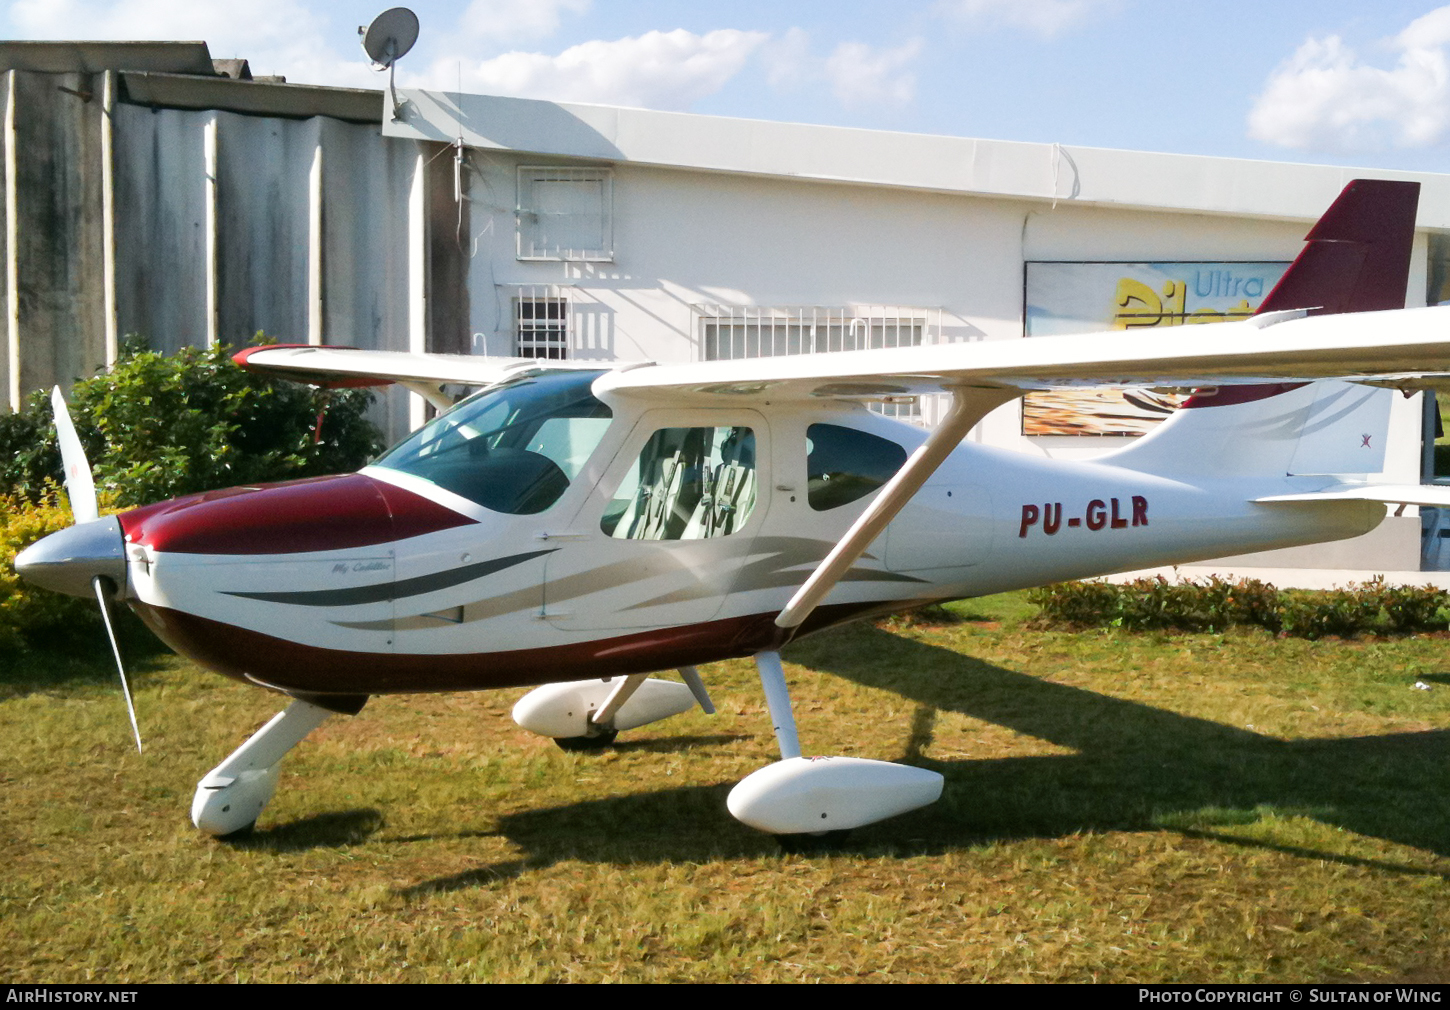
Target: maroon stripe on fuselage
{"points": [[1227, 396], [318, 514], [238, 652], [414, 515]]}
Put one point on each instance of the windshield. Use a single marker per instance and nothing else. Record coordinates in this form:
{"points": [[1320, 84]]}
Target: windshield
{"points": [[512, 448]]}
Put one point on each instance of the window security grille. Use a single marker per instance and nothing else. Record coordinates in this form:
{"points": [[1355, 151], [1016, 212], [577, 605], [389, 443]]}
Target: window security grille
{"points": [[731, 332], [541, 327], [565, 214]]}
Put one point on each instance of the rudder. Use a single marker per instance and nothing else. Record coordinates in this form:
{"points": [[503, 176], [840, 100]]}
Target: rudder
{"points": [[1358, 254]]}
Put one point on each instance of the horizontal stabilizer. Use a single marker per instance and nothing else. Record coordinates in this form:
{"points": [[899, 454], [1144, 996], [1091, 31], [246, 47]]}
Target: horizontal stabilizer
{"points": [[1434, 495], [1411, 382]]}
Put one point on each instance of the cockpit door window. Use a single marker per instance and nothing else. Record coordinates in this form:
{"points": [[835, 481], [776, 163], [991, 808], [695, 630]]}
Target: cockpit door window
{"points": [[686, 484]]}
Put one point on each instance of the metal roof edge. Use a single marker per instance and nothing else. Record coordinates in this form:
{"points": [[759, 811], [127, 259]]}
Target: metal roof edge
{"points": [[1062, 175], [89, 57], [297, 101]]}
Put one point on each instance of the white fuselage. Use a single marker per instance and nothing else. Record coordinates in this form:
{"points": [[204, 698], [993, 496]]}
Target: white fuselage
{"points": [[512, 599]]}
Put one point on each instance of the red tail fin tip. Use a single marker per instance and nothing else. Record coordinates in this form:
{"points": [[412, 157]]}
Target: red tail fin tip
{"points": [[1358, 254]]}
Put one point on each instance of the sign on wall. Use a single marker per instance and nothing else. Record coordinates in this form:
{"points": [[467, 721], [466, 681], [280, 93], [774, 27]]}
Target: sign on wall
{"points": [[1070, 298]]}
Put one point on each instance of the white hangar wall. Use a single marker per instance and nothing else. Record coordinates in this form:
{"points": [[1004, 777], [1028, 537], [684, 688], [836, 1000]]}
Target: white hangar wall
{"points": [[683, 238]]}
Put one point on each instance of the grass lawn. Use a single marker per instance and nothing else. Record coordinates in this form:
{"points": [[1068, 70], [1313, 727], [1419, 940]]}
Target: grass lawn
{"points": [[1118, 807]]}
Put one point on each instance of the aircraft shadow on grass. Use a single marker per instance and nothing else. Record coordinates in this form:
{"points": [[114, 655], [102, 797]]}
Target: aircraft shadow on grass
{"points": [[333, 830], [1135, 768]]}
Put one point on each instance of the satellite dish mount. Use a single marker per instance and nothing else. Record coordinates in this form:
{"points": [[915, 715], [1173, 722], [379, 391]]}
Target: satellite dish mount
{"points": [[389, 37]]}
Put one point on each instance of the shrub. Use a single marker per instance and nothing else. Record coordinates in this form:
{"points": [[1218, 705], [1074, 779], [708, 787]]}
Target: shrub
{"points": [[1215, 604], [158, 426], [154, 427], [1343, 612], [29, 458], [1078, 604], [27, 614], [1413, 608]]}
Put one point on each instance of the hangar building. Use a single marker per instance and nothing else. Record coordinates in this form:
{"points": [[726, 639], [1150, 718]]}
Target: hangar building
{"points": [[151, 190]]}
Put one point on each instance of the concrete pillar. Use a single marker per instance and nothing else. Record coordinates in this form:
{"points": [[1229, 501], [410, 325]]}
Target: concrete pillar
{"points": [[108, 216], [54, 255], [10, 366], [315, 243], [210, 155], [418, 275]]}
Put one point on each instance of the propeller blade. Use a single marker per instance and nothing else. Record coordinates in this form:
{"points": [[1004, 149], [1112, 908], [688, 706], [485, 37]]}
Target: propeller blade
{"points": [[100, 584], [78, 482]]}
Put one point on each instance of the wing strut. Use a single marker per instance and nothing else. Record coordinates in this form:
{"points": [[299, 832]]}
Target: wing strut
{"points": [[969, 405]]}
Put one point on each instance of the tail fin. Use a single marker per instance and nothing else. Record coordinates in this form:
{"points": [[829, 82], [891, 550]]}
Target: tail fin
{"points": [[1357, 260], [1358, 254]]}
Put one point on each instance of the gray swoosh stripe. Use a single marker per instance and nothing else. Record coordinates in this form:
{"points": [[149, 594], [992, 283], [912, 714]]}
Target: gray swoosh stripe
{"points": [[395, 590], [748, 580]]}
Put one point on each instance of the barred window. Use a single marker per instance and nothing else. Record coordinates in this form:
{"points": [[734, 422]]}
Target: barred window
{"points": [[541, 328], [731, 332], [565, 213]]}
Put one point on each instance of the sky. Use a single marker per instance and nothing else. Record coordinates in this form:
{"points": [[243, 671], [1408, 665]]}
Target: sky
{"points": [[1329, 82]]}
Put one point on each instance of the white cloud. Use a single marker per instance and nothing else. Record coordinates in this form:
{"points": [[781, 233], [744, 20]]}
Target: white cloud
{"points": [[514, 20], [1044, 17], [161, 19], [857, 73], [275, 36], [657, 70], [1324, 97], [864, 75], [788, 60]]}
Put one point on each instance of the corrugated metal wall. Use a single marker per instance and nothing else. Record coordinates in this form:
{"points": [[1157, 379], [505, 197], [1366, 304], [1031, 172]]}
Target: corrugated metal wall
{"points": [[54, 295], [225, 225], [161, 198]]}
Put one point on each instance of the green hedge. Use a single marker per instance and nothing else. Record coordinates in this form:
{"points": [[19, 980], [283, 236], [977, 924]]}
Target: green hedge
{"points": [[1214, 604], [28, 615], [158, 426]]}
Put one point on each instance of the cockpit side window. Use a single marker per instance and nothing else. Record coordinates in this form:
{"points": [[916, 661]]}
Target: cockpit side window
{"points": [[843, 464], [513, 448], [687, 484]]}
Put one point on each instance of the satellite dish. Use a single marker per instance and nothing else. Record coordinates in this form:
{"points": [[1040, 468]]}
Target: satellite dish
{"points": [[390, 36], [386, 40]]}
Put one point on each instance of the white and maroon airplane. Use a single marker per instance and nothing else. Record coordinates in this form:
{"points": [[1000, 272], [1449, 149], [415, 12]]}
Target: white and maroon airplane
{"points": [[581, 527]]}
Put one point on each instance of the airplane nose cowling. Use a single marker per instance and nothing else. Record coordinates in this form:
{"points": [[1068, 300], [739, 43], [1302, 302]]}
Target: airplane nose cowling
{"points": [[344, 512], [67, 561]]}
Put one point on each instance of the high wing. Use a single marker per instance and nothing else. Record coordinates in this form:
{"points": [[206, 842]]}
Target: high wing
{"points": [[424, 374], [1336, 313], [1402, 347], [1285, 346]]}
